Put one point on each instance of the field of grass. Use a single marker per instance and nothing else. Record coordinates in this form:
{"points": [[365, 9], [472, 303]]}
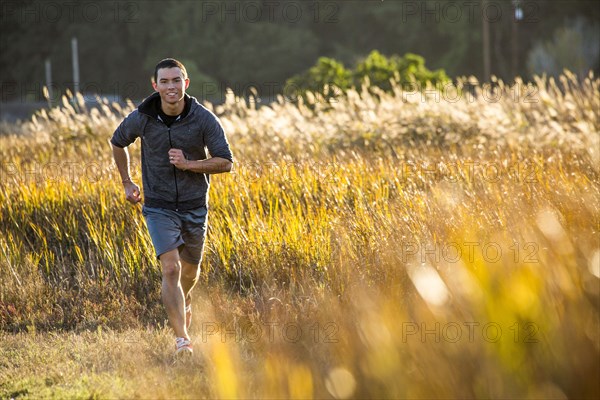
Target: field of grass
{"points": [[404, 245]]}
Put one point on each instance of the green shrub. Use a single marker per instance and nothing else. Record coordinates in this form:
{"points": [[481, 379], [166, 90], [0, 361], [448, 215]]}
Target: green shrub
{"points": [[330, 78], [326, 77]]}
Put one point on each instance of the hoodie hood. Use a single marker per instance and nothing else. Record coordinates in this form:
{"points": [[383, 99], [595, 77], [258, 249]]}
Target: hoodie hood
{"points": [[151, 105]]}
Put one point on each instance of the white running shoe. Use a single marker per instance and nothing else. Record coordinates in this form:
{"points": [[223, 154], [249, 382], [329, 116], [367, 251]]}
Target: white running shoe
{"points": [[184, 346]]}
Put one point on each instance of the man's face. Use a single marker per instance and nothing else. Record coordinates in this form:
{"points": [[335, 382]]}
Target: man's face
{"points": [[170, 84]]}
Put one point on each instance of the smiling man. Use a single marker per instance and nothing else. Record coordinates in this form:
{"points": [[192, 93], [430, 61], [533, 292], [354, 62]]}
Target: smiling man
{"points": [[175, 131]]}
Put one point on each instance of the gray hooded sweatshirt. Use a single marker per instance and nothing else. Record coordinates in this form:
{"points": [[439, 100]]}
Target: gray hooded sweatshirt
{"points": [[197, 131]]}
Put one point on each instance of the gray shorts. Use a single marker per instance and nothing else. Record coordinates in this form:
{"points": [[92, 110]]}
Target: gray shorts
{"points": [[183, 230]]}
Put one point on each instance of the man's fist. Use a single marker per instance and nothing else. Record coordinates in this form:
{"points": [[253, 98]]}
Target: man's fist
{"points": [[132, 192], [177, 158]]}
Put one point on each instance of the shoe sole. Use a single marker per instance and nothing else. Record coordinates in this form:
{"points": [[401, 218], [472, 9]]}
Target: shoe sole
{"points": [[184, 351]]}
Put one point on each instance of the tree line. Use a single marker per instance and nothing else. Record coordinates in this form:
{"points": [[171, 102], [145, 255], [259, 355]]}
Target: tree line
{"points": [[263, 43]]}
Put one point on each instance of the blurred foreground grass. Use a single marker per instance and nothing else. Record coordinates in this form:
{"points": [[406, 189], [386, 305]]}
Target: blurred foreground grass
{"points": [[394, 246]]}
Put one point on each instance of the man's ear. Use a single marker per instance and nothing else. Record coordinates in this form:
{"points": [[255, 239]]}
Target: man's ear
{"points": [[154, 86], [187, 82]]}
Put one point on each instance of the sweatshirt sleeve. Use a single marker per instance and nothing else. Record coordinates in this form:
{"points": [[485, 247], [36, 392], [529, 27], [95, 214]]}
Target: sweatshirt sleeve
{"points": [[127, 131], [215, 139]]}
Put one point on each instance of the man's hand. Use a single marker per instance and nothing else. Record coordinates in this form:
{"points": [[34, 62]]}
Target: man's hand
{"points": [[132, 192], [213, 165], [177, 158]]}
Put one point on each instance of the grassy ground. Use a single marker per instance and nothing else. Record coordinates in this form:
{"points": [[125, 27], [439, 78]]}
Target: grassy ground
{"points": [[389, 246], [128, 364]]}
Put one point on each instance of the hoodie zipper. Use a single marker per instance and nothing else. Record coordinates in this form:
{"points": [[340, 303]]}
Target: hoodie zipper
{"points": [[174, 174]]}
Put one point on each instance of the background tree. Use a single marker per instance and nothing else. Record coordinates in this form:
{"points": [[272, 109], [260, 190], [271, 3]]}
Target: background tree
{"points": [[262, 43]]}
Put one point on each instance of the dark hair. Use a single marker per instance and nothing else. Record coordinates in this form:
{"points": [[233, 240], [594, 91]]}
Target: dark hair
{"points": [[169, 63]]}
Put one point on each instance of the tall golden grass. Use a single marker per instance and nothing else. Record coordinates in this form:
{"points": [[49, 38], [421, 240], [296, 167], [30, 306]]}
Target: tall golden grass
{"points": [[414, 244]]}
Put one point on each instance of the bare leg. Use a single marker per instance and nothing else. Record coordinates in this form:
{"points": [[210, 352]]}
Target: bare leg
{"points": [[172, 292], [189, 278]]}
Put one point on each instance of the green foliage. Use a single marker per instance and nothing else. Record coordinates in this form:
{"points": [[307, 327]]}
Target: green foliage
{"points": [[326, 74], [329, 77], [381, 70]]}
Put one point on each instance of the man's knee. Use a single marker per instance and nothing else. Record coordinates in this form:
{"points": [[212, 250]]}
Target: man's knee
{"points": [[171, 270], [171, 266]]}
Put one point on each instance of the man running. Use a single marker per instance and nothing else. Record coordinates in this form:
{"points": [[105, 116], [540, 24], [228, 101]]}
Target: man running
{"points": [[175, 132]]}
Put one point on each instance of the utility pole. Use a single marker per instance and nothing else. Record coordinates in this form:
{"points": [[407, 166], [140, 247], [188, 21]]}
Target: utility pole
{"points": [[517, 16], [75, 57], [49, 92], [487, 64]]}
